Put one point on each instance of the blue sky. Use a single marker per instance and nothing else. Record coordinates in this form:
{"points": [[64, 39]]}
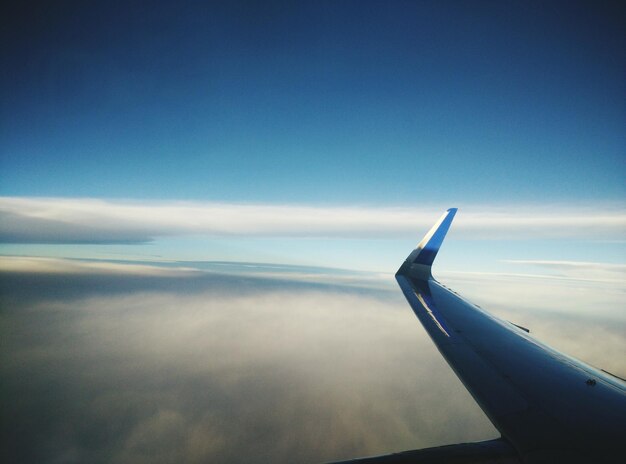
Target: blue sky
{"points": [[322, 102], [330, 104]]}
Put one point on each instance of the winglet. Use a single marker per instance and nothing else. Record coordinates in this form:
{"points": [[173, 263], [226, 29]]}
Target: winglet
{"points": [[419, 262]]}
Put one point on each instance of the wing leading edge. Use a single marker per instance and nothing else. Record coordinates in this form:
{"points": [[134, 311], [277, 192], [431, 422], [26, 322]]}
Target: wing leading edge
{"points": [[548, 406]]}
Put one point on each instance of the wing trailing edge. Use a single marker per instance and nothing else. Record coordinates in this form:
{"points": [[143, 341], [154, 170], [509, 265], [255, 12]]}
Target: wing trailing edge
{"points": [[497, 451]]}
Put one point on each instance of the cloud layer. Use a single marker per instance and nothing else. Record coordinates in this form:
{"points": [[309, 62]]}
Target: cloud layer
{"points": [[60, 220], [107, 363], [220, 369]]}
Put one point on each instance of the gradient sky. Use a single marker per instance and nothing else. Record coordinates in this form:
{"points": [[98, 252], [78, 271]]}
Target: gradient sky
{"points": [[316, 102]]}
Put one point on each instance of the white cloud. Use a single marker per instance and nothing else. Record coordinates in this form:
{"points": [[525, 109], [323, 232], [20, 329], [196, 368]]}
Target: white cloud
{"points": [[39, 265], [62, 220]]}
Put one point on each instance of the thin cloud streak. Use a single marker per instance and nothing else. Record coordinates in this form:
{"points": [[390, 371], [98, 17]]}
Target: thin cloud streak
{"points": [[583, 273], [40, 265], [89, 269], [607, 272], [62, 220]]}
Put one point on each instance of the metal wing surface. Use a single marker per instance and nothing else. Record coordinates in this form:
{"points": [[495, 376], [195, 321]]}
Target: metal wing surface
{"points": [[548, 407]]}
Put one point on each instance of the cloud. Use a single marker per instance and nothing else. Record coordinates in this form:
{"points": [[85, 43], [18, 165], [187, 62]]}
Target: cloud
{"points": [[40, 265], [241, 370], [62, 220], [132, 365], [607, 272], [11, 266]]}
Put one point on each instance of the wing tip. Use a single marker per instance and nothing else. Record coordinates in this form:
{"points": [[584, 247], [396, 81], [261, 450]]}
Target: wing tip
{"points": [[423, 256]]}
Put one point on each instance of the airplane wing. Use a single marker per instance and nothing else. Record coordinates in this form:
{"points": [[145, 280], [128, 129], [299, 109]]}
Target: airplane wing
{"points": [[548, 407]]}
